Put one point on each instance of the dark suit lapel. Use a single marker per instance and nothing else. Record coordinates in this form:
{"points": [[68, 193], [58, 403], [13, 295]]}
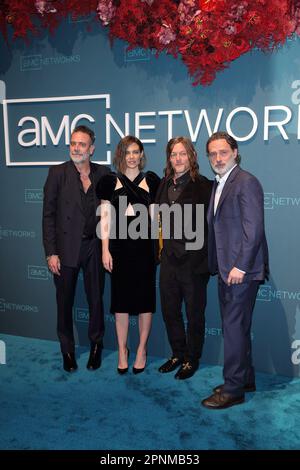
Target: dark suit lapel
{"points": [[72, 185], [210, 210], [227, 186], [94, 182]]}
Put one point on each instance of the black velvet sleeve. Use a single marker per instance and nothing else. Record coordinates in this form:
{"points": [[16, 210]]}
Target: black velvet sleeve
{"points": [[106, 186], [153, 182]]}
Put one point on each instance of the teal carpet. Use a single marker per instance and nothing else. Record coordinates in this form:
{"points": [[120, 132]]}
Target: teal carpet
{"points": [[43, 407]]}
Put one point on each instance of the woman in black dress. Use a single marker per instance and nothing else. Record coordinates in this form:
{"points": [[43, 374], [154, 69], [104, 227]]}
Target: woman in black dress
{"points": [[128, 252]]}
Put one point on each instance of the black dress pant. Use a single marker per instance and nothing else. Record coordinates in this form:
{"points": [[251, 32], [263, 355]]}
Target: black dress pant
{"points": [[236, 305], [180, 282], [93, 276]]}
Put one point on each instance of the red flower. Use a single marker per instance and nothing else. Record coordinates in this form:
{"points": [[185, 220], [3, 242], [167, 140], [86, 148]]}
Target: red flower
{"points": [[208, 34]]}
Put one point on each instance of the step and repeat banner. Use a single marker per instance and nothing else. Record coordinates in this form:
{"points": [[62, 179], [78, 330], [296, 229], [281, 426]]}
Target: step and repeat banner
{"points": [[76, 77]]}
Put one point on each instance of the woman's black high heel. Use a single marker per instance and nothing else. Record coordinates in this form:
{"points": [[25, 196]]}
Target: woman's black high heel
{"points": [[136, 370], [125, 369]]}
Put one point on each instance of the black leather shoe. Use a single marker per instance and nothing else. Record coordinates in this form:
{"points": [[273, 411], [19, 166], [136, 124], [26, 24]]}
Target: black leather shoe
{"points": [[170, 365], [219, 401], [247, 388], [187, 370], [123, 370], [70, 364], [94, 361]]}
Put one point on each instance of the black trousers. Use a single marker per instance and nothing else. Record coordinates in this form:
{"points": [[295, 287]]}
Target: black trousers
{"points": [[93, 276], [180, 282], [236, 305]]}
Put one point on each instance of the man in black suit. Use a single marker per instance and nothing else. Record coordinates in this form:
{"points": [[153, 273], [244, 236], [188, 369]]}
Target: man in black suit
{"points": [[70, 243], [238, 253], [184, 270]]}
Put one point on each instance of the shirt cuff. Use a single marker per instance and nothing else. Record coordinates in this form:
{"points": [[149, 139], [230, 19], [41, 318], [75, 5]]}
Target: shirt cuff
{"points": [[244, 272]]}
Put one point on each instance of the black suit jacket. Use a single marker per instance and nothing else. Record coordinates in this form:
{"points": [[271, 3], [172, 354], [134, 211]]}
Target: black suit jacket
{"points": [[195, 192], [63, 217]]}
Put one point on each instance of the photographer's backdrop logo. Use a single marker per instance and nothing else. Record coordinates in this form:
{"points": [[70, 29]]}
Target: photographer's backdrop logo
{"points": [[267, 293], [37, 61], [40, 273], [81, 315], [6, 306], [137, 54], [6, 233], [273, 201], [33, 195], [37, 130]]}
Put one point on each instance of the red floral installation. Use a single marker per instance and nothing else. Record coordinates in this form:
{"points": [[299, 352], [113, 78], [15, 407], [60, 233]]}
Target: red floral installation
{"points": [[206, 34]]}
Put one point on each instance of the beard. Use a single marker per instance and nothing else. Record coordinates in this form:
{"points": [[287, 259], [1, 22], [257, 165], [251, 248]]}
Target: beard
{"points": [[79, 157]]}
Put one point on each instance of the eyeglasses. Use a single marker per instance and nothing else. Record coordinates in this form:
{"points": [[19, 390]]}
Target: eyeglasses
{"points": [[179, 154]]}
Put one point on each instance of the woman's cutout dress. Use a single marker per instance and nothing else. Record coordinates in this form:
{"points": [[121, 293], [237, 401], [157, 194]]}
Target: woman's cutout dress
{"points": [[133, 282]]}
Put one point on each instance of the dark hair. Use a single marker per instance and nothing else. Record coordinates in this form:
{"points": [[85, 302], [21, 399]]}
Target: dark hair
{"points": [[85, 130], [120, 153], [192, 154], [230, 141]]}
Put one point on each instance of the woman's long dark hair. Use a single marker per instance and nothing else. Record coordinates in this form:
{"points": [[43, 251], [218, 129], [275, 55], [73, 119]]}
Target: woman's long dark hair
{"points": [[120, 153]]}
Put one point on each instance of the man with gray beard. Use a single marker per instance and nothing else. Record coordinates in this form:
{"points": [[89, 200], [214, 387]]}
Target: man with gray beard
{"points": [[70, 243]]}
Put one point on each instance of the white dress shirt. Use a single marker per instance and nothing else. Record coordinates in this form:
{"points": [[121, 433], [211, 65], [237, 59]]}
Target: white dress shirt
{"points": [[221, 180]]}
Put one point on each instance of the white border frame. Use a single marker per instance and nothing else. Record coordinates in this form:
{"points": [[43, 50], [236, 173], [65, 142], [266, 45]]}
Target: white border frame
{"points": [[5, 102]]}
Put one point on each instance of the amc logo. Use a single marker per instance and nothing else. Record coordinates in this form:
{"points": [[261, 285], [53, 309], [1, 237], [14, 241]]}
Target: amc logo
{"points": [[264, 293], [30, 62], [81, 315], [34, 195], [40, 273], [136, 54], [269, 200]]}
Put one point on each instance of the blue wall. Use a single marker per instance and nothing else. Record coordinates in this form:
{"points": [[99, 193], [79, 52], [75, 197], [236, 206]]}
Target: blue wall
{"points": [[76, 64]]}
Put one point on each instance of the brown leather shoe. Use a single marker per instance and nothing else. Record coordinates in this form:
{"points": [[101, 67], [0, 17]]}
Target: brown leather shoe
{"points": [[247, 388], [170, 365], [218, 401]]}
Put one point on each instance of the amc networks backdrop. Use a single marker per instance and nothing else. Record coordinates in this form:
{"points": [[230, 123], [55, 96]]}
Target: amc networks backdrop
{"points": [[75, 77]]}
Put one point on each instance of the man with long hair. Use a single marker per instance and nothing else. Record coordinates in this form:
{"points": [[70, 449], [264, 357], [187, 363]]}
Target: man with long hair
{"points": [[184, 270]]}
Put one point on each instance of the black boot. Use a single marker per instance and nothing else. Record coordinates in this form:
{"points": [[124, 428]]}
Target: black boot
{"points": [[70, 364], [94, 361]]}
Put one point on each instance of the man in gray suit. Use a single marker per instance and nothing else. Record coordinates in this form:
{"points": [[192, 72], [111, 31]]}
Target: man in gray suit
{"points": [[70, 243], [238, 253]]}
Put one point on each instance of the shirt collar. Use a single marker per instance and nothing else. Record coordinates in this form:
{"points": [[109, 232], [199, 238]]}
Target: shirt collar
{"points": [[182, 179]]}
